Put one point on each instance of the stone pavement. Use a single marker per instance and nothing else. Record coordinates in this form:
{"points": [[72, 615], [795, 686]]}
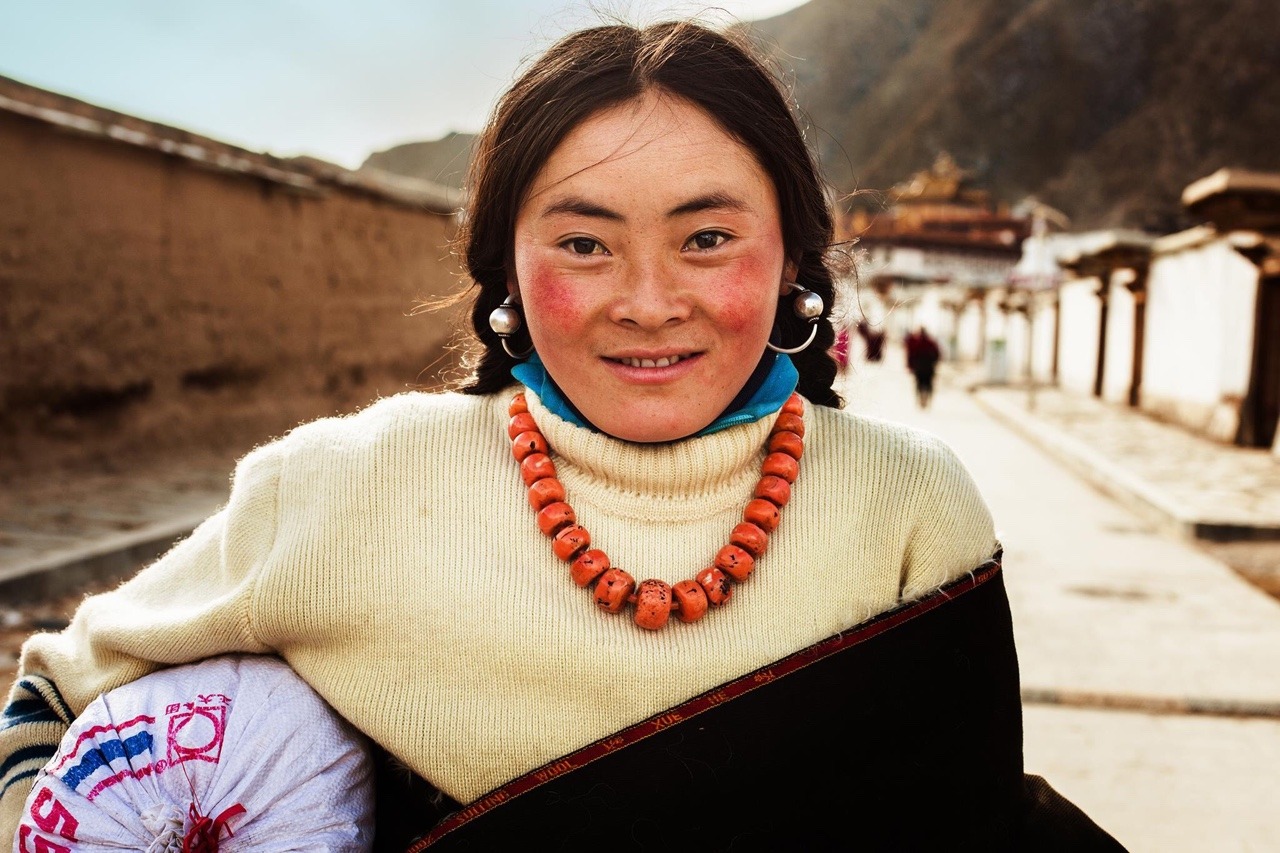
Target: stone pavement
{"points": [[1112, 554], [1150, 670], [103, 523], [1188, 485]]}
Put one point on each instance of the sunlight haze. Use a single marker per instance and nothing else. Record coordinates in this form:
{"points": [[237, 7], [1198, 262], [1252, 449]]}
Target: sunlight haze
{"points": [[336, 80]]}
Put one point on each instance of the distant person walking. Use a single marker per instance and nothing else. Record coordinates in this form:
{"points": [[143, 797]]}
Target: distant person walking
{"points": [[923, 354], [873, 338]]}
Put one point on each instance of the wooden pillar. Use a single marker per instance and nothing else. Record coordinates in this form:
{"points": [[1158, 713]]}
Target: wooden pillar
{"points": [[1260, 408], [1103, 295], [1057, 331], [979, 295], [1138, 287]]}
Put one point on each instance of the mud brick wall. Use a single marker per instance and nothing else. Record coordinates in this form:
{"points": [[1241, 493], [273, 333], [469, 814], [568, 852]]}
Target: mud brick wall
{"points": [[148, 300]]}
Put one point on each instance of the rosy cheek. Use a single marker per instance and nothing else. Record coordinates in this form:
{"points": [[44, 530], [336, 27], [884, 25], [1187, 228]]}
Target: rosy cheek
{"points": [[548, 296], [745, 290]]}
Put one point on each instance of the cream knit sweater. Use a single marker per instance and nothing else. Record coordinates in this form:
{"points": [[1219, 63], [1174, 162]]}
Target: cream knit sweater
{"points": [[392, 558]]}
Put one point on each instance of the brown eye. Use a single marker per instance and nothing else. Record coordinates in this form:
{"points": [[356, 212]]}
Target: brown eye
{"points": [[583, 246], [706, 240]]}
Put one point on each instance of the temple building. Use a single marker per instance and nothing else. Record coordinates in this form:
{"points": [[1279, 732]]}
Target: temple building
{"points": [[936, 253], [1182, 326]]}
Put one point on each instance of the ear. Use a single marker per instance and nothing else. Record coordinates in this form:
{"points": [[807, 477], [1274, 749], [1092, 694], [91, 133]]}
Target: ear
{"points": [[513, 287], [790, 270]]}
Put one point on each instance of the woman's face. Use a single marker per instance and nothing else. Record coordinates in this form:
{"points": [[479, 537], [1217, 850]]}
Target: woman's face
{"points": [[649, 260]]}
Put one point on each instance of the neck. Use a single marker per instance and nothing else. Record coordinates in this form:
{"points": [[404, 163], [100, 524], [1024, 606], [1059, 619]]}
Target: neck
{"points": [[651, 474], [766, 389]]}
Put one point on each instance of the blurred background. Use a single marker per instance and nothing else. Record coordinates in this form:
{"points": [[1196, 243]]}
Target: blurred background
{"points": [[220, 220]]}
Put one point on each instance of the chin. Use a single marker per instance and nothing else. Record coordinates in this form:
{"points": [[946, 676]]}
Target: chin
{"points": [[641, 429]]}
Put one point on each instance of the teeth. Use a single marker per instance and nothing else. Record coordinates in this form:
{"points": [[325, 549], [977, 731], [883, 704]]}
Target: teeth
{"points": [[665, 361]]}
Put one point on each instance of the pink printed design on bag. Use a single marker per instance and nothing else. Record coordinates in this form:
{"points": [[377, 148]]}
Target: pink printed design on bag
{"points": [[189, 757], [196, 729]]}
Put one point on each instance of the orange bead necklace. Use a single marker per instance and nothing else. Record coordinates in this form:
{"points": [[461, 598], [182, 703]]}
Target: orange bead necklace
{"points": [[654, 600]]}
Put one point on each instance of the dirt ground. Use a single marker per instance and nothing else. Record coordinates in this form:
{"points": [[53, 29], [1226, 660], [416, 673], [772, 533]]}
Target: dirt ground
{"points": [[18, 623], [45, 474]]}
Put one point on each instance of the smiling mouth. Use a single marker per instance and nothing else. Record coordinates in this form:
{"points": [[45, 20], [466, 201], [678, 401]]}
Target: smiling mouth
{"points": [[665, 361]]}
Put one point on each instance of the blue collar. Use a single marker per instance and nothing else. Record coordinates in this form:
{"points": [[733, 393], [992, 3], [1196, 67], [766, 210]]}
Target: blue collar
{"points": [[767, 399]]}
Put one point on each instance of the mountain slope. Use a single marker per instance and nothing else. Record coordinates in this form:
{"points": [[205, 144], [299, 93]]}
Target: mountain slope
{"points": [[1105, 109], [443, 161]]}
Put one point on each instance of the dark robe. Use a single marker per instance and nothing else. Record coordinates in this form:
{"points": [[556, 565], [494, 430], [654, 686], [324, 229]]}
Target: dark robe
{"points": [[902, 734]]}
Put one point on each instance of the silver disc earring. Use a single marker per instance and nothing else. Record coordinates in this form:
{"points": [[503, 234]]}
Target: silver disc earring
{"points": [[808, 307], [506, 320]]}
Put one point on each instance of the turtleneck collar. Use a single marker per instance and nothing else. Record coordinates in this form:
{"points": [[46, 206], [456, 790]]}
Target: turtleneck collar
{"points": [[704, 465], [769, 386]]}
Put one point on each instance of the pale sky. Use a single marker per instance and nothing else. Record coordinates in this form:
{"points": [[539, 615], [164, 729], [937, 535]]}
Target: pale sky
{"points": [[336, 79]]}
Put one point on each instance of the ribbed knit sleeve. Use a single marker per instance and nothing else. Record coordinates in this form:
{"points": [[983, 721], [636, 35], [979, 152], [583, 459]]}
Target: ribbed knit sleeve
{"points": [[192, 603], [951, 530]]}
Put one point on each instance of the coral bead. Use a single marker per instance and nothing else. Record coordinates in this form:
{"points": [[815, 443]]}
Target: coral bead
{"points": [[781, 465], [655, 600], [527, 443], [554, 517], [690, 601], [774, 489], [715, 584], [535, 467], [545, 492], [735, 562], [570, 542], [788, 422], [763, 514], [589, 566], [653, 604], [788, 443], [522, 422], [613, 590], [750, 538]]}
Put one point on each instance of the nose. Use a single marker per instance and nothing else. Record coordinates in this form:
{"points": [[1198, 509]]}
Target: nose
{"points": [[651, 295]]}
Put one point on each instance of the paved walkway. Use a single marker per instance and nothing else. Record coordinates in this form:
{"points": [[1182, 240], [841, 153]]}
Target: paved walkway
{"points": [[1188, 485], [1118, 613], [105, 522], [1150, 670]]}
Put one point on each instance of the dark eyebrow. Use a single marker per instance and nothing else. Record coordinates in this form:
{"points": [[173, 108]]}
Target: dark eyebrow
{"points": [[582, 207], [710, 201]]}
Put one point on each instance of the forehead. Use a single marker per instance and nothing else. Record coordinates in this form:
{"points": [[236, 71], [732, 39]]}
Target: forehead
{"points": [[659, 138]]}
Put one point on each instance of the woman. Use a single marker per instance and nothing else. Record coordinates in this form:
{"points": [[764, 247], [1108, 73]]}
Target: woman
{"points": [[923, 355], [657, 591]]}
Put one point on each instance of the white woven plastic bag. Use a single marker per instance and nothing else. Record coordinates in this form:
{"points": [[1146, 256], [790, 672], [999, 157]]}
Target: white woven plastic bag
{"points": [[234, 753]]}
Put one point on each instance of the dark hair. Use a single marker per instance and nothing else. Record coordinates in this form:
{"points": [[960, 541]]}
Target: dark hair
{"points": [[594, 69]]}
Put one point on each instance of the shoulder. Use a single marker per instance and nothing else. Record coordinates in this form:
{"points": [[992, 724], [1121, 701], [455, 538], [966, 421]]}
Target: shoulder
{"points": [[919, 488], [907, 450], [396, 427], [397, 417]]}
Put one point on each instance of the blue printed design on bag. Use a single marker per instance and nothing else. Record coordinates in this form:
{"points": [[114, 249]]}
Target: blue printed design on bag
{"points": [[105, 753]]}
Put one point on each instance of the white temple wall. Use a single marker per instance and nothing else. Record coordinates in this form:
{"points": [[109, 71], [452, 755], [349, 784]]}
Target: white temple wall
{"points": [[1199, 333], [1080, 315], [1117, 372], [1044, 310], [969, 338]]}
